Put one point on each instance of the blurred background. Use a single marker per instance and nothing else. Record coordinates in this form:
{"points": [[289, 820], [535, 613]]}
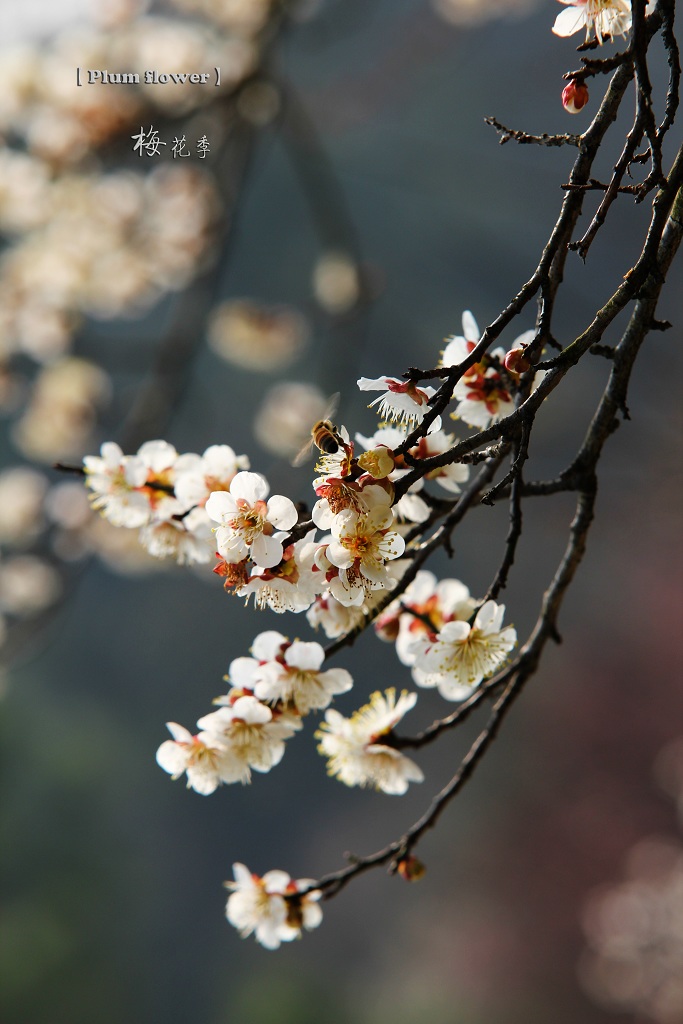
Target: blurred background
{"points": [[353, 203]]}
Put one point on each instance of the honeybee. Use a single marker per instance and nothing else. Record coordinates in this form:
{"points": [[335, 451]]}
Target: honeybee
{"points": [[324, 435]]}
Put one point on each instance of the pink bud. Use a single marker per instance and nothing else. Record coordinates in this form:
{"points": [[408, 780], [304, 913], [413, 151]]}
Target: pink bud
{"points": [[574, 96]]}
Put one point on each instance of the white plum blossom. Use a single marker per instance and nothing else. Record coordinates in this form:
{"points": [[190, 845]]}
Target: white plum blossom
{"points": [[334, 617], [188, 540], [274, 908], [336, 494], [286, 675], [424, 608], [247, 521], [291, 585], [436, 443], [463, 655], [159, 459], [411, 506], [482, 393], [204, 758], [360, 546], [198, 475], [354, 748], [296, 680], [253, 734], [114, 480], [605, 18], [402, 401]]}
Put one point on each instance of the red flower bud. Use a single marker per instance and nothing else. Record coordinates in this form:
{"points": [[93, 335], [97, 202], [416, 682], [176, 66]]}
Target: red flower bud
{"points": [[574, 96], [516, 361]]}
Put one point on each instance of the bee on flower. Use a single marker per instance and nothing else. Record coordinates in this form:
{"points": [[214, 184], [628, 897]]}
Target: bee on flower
{"points": [[274, 908], [359, 749]]}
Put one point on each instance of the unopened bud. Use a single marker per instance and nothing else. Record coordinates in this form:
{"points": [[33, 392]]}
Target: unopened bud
{"points": [[574, 96], [378, 462], [411, 868], [516, 361]]}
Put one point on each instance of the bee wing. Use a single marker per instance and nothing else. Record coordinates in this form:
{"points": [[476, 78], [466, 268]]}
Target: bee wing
{"points": [[332, 406], [303, 453]]}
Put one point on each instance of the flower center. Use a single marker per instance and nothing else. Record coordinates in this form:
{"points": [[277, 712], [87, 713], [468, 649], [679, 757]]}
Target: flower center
{"points": [[250, 520]]}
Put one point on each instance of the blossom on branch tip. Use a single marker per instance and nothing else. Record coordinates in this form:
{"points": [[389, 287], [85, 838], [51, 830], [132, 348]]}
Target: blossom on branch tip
{"points": [[410, 868], [354, 748], [274, 908], [462, 655], [247, 521], [605, 18]]}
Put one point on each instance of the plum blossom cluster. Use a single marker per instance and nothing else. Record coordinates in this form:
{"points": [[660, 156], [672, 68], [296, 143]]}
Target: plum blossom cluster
{"points": [[242, 735], [163, 494], [339, 567], [269, 695]]}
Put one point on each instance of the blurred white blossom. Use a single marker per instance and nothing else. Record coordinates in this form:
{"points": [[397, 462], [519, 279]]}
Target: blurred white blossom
{"points": [[257, 337]]}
